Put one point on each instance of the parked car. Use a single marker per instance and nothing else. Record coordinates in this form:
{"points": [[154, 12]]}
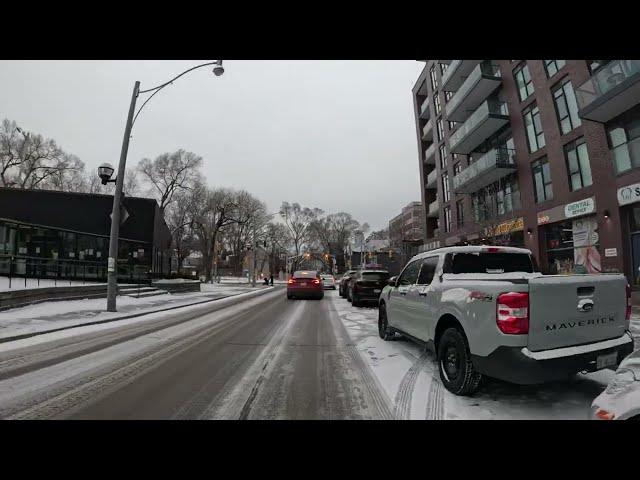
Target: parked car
{"points": [[305, 284], [328, 281], [342, 286], [621, 399], [487, 311], [366, 285]]}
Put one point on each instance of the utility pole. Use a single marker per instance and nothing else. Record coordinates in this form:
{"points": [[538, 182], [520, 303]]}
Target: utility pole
{"points": [[112, 262]]}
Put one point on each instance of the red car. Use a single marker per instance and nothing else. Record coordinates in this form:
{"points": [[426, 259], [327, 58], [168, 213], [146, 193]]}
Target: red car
{"points": [[305, 284]]}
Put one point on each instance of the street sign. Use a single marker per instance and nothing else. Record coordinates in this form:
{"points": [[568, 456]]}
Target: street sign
{"points": [[124, 214]]}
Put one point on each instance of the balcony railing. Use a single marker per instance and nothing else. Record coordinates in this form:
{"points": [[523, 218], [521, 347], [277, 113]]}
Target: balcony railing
{"points": [[424, 108], [432, 179], [427, 132], [468, 96], [488, 118], [492, 166], [430, 154], [612, 90], [434, 209], [456, 73]]}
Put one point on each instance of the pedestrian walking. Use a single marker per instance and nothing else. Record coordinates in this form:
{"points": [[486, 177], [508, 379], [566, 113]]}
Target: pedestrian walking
{"points": [[271, 279]]}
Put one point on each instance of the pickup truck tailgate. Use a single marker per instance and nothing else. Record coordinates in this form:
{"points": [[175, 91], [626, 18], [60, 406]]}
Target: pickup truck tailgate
{"points": [[575, 310]]}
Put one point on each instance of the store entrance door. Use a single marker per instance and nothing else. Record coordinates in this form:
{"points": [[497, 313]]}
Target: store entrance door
{"points": [[635, 248]]}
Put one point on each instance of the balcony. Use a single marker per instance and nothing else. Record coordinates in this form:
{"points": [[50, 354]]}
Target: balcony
{"points": [[488, 118], [492, 166], [434, 209], [611, 91], [432, 179], [482, 81], [430, 154], [427, 132], [456, 73], [424, 109]]}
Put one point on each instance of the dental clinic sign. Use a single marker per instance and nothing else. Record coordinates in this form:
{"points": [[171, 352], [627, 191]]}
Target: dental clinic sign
{"points": [[629, 194], [582, 207]]}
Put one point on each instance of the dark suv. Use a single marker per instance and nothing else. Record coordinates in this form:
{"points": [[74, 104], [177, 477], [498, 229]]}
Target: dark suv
{"points": [[366, 285], [344, 281]]}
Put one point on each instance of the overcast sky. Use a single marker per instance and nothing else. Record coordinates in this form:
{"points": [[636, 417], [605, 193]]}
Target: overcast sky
{"points": [[337, 135]]}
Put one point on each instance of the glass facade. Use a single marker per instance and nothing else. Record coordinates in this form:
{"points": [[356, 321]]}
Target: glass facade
{"points": [[50, 253]]}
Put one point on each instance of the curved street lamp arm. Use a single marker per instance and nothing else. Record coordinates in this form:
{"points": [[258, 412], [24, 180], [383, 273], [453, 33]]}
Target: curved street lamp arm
{"points": [[160, 87], [177, 77]]}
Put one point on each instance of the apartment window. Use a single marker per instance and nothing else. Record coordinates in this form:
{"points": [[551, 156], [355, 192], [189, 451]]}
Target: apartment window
{"points": [[457, 168], [443, 68], [542, 180], [524, 82], [434, 78], [460, 213], [445, 187], [624, 139], [533, 125], [443, 156], [440, 129], [578, 168], [447, 96], [552, 66], [447, 219], [566, 106], [451, 125], [436, 103]]}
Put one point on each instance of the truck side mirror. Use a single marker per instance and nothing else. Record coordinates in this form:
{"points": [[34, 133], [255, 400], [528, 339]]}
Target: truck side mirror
{"points": [[392, 281]]}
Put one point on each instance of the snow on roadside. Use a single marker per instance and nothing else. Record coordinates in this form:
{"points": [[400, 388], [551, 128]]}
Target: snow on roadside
{"points": [[411, 381], [64, 313], [150, 317]]}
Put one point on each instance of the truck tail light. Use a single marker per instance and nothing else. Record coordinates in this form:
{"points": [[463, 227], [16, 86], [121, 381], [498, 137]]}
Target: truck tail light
{"points": [[512, 315], [627, 315]]}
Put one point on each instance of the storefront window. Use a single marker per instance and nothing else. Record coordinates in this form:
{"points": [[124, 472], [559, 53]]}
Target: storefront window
{"points": [[573, 246]]}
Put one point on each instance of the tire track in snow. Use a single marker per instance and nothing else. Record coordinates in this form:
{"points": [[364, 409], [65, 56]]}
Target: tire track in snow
{"points": [[402, 410], [435, 400]]}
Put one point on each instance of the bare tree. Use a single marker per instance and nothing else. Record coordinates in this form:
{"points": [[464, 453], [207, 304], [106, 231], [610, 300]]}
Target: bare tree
{"points": [[298, 219], [28, 160], [169, 173], [178, 216], [213, 209], [334, 233]]}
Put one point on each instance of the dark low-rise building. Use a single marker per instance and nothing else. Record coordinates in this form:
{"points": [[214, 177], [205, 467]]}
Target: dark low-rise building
{"points": [[54, 234]]}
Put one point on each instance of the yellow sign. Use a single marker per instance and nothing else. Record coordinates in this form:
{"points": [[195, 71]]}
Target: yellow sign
{"points": [[505, 228]]}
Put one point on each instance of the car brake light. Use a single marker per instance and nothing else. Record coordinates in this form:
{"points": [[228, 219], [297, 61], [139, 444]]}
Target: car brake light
{"points": [[627, 315], [316, 281], [493, 249], [290, 281], [512, 316]]}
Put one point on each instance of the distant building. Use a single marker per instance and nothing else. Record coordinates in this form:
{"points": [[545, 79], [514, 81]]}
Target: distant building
{"points": [[54, 234]]}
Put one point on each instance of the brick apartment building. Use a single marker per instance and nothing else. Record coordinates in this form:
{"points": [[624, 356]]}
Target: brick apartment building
{"points": [[406, 230], [536, 153]]}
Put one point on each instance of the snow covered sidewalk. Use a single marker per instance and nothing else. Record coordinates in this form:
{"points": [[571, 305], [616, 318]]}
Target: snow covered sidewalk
{"points": [[67, 313], [18, 283], [410, 378]]}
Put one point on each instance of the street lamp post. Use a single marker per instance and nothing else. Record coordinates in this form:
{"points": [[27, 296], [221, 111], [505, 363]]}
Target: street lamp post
{"points": [[112, 269]]}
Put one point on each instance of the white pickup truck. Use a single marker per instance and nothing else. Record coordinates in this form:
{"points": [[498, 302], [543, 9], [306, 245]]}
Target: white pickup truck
{"points": [[487, 311]]}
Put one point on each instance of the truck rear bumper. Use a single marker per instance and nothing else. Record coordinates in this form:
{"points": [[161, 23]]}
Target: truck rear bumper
{"points": [[521, 366]]}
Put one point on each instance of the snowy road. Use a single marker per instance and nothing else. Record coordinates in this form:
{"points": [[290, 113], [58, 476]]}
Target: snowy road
{"points": [[264, 358], [261, 358]]}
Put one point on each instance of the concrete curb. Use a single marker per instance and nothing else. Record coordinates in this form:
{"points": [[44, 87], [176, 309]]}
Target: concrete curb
{"points": [[139, 314]]}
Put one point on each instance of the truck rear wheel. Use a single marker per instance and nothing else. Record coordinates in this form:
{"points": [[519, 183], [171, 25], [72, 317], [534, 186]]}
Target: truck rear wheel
{"points": [[454, 363]]}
